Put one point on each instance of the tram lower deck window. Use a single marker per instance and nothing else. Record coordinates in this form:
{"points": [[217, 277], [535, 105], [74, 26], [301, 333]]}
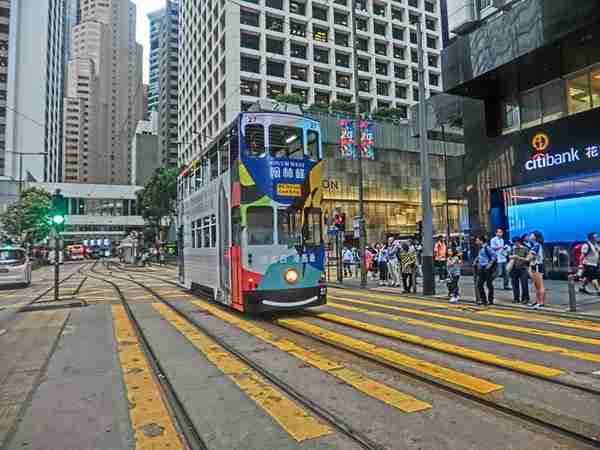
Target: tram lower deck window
{"points": [[260, 226]]}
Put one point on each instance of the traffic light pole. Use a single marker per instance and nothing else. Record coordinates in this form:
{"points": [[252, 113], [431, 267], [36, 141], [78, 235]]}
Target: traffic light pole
{"points": [[427, 239], [56, 263], [362, 244]]}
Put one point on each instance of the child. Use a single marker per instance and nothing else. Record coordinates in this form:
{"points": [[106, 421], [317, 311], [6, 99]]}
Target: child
{"points": [[453, 264]]}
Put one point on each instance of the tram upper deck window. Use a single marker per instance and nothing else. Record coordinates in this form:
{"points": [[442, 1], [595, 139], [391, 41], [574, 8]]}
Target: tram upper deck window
{"points": [[260, 226], [289, 227], [312, 145], [255, 140], [312, 227], [286, 142]]}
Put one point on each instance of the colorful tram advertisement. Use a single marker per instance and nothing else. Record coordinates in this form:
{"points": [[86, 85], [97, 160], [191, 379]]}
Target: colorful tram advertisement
{"points": [[251, 219]]}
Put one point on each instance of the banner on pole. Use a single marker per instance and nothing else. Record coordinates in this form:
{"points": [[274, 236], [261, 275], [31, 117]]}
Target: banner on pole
{"points": [[347, 140]]}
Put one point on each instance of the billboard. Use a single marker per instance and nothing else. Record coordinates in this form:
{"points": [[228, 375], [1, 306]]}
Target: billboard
{"points": [[347, 140]]}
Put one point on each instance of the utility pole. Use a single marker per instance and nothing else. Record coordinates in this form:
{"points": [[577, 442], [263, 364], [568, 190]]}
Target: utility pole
{"points": [[428, 276], [446, 184], [358, 144]]}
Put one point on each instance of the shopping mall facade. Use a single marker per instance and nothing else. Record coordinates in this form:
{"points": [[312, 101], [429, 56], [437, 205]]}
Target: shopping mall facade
{"points": [[530, 77], [392, 183]]}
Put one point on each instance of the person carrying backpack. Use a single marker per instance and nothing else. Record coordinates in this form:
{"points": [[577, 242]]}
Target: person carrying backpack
{"points": [[590, 258]]}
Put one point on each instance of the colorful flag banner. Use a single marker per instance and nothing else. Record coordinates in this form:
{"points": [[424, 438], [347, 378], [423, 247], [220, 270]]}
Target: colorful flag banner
{"points": [[347, 139]]}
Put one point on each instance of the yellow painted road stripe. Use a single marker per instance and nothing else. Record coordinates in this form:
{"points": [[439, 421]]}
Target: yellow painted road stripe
{"points": [[576, 324], [404, 362], [152, 424], [476, 355], [560, 351], [401, 299], [295, 420], [499, 326], [368, 386]]}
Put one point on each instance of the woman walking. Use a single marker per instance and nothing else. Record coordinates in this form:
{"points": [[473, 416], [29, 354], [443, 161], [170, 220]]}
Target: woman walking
{"points": [[536, 268]]}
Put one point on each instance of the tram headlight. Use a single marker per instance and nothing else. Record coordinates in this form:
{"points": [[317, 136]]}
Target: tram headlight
{"points": [[291, 276]]}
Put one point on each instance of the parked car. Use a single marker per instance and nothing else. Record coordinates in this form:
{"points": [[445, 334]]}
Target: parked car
{"points": [[15, 266]]}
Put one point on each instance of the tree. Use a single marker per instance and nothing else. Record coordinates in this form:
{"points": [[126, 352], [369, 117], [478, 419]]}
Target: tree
{"points": [[342, 106], [292, 99], [389, 114], [27, 218], [157, 201]]}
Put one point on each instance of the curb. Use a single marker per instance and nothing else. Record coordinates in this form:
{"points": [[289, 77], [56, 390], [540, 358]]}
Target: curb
{"points": [[547, 311]]}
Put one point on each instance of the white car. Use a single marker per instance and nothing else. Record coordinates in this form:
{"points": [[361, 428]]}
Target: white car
{"points": [[15, 266]]}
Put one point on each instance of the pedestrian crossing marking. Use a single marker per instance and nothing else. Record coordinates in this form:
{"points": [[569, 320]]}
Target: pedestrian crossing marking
{"points": [[499, 326], [366, 385], [476, 355], [401, 361], [146, 405], [561, 351], [295, 420], [399, 299]]}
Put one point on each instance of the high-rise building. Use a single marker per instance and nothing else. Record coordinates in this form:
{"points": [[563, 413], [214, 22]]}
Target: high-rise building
{"points": [[104, 93], [164, 28], [31, 86], [236, 52]]}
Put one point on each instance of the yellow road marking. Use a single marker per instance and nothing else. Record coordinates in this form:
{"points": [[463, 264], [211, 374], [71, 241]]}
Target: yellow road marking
{"points": [[368, 386], [577, 324], [499, 326], [476, 334], [404, 362], [401, 299], [476, 355], [152, 425], [295, 420]]}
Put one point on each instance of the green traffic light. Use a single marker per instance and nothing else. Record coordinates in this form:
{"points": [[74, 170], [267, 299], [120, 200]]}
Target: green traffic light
{"points": [[58, 220]]}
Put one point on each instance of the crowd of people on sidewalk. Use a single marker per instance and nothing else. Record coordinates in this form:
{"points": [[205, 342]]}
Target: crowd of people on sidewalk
{"points": [[397, 263]]}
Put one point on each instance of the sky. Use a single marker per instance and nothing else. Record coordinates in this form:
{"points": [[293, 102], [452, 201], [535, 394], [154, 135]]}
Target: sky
{"points": [[143, 29]]}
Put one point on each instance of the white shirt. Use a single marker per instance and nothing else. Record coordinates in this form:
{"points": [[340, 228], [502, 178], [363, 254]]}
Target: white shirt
{"points": [[497, 244], [591, 254]]}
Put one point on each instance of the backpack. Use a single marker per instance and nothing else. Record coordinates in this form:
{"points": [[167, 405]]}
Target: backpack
{"points": [[579, 254]]}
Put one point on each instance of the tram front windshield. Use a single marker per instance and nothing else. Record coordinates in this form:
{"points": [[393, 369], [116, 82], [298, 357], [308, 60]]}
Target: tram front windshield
{"points": [[286, 142]]}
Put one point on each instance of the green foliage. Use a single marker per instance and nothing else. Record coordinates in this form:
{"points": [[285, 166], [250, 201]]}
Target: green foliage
{"points": [[388, 114], [157, 201], [319, 108], [342, 106], [292, 99], [27, 218]]}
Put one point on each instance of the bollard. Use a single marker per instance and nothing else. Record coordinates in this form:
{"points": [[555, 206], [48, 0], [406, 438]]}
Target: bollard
{"points": [[572, 295]]}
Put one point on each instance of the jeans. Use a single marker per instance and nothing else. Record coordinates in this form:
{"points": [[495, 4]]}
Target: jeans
{"points": [[485, 276], [382, 271], [394, 270], [520, 284], [502, 272]]}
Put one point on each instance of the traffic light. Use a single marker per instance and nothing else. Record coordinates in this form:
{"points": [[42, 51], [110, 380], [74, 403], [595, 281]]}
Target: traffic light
{"points": [[58, 211]]}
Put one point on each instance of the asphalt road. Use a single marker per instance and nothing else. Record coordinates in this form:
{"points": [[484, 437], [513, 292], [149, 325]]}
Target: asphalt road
{"points": [[368, 370]]}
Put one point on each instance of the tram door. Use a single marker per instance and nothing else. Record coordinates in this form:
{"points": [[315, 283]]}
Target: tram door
{"points": [[224, 248], [236, 259]]}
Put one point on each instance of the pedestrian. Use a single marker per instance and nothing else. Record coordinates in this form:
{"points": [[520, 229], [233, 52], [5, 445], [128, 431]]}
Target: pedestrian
{"points": [[161, 256], [453, 264], [369, 258], [408, 264], [590, 258], [518, 270], [393, 262], [536, 268], [347, 260], [440, 250], [501, 249], [382, 265], [486, 268]]}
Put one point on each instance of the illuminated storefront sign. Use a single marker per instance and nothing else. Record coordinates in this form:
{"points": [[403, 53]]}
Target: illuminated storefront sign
{"points": [[541, 159]]}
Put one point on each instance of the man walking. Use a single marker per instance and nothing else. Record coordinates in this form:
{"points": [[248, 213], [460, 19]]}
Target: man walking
{"points": [[501, 249], [590, 258], [486, 268]]}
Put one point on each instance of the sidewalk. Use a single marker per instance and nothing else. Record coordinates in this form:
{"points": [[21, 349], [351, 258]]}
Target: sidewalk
{"points": [[557, 296]]}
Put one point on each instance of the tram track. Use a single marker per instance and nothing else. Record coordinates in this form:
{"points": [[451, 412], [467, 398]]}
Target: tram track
{"points": [[487, 401]]}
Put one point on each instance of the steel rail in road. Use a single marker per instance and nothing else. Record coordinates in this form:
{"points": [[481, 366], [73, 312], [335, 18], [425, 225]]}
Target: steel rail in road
{"points": [[330, 417], [483, 400], [184, 421]]}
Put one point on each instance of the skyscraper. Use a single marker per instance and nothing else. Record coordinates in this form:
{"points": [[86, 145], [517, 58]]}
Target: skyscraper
{"points": [[163, 79], [31, 84], [232, 53], [104, 94]]}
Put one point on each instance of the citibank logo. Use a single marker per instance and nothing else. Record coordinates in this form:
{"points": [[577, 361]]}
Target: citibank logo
{"points": [[541, 159]]}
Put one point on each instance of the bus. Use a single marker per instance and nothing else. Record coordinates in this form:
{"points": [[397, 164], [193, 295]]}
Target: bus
{"points": [[76, 252], [250, 218]]}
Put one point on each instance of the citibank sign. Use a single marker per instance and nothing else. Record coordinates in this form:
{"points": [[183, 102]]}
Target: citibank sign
{"points": [[541, 159]]}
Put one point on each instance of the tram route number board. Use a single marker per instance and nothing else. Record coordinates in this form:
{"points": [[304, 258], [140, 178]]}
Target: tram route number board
{"points": [[289, 190]]}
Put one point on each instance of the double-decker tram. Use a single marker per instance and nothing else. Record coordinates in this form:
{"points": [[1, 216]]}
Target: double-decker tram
{"points": [[250, 213]]}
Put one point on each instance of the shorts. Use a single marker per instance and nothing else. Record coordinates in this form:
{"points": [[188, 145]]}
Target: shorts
{"points": [[537, 268], [591, 272]]}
